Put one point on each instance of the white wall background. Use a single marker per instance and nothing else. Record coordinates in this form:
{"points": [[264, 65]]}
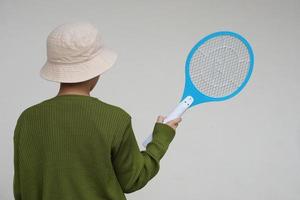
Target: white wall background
{"points": [[247, 148]]}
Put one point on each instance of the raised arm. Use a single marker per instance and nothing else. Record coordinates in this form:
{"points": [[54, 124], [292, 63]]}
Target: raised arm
{"points": [[134, 168]]}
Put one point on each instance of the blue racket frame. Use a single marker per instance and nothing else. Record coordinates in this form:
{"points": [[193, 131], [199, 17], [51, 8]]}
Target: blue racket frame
{"points": [[191, 90]]}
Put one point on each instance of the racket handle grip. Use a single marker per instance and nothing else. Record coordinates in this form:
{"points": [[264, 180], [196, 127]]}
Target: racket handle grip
{"points": [[177, 112]]}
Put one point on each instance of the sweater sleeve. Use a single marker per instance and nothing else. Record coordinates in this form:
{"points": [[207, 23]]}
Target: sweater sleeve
{"points": [[134, 168], [16, 178]]}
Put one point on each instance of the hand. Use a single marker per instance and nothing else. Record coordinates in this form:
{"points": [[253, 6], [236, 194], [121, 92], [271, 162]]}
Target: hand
{"points": [[173, 123]]}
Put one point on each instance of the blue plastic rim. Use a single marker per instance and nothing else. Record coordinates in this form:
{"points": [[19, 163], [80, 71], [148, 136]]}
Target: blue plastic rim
{"points": [[191, 90]]}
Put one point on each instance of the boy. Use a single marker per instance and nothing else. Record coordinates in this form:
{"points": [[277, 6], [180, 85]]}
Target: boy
{"points": [[74, 146]]}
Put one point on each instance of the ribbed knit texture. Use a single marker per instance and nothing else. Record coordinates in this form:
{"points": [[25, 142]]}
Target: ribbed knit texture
{"points": [[75, 147]]}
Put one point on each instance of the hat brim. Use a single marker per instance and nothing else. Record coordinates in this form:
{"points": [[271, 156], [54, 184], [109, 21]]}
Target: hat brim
{"points": [[78, 72]]}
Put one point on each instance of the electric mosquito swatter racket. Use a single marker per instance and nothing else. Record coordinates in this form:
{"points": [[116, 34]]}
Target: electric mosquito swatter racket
{"points": [[217, 68]]}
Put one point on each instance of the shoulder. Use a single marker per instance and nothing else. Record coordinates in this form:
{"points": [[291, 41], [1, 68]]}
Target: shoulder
{"points": [[117, 116], [25, 113], [21, 120], [116, 111], [31, 109]]}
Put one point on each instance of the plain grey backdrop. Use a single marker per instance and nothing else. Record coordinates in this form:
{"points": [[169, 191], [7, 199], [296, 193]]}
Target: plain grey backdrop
{"points": [[247, 148]]}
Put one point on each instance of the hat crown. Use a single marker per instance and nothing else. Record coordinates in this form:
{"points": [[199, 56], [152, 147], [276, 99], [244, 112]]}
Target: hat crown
{"points": [[73, 43]]}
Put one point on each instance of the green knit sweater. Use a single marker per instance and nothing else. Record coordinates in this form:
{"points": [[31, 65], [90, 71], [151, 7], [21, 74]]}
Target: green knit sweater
{"points": [[75, 147]]}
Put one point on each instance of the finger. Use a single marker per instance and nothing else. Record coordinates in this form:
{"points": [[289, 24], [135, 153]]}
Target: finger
{"points": [[176, 120], [160, 118]]}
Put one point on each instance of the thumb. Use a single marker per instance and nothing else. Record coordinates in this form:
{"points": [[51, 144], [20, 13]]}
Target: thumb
{"points": [[176, 120]]}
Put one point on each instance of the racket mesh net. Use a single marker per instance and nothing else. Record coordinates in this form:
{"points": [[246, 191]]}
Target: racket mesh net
{"points": [[219, 66]]}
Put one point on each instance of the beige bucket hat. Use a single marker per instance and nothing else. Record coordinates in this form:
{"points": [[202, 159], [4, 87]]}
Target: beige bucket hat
{"points": [[75, 53]]}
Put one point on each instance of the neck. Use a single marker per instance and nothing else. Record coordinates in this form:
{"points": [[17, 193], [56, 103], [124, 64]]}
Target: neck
{"points": [[79, 90], [75, 92]]}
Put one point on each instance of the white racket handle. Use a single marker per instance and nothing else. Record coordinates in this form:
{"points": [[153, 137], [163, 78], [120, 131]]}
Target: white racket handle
{"points": [[177, 112]]}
